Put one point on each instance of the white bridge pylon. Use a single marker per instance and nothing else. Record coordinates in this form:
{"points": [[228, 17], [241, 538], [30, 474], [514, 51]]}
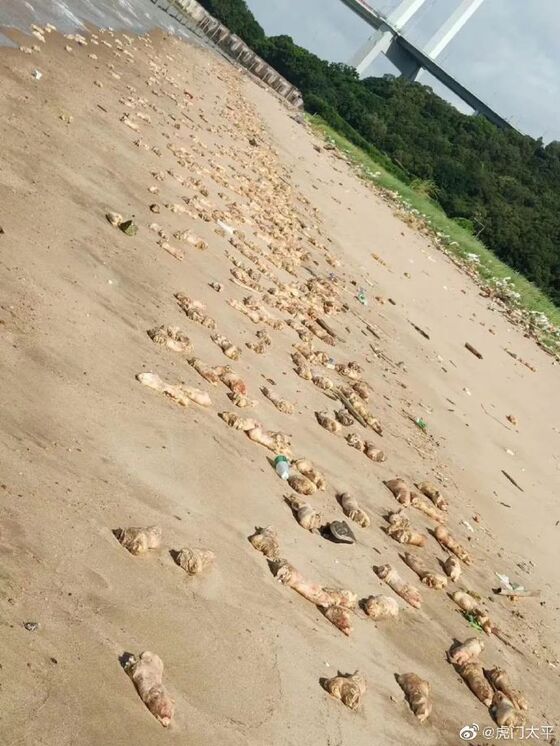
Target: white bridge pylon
{"points": [[402, 15], [384, 41], [451, 27]]}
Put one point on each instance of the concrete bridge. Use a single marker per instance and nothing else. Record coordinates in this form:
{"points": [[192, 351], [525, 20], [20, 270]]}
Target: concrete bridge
{"points": [[410, 60]]}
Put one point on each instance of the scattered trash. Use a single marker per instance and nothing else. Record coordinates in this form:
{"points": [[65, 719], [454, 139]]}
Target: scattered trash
{"points": [[467, 391], [37, 74], [474, 351], [513, 419], [512, 480], [282, 467], [114, 218], [468, 526], [362, 297], [520, 360], [513, 590], [526, 567], [472, 620], [31, 626], [226, 228], [506, 583], [419, 422], [129, 228], [420, 330], [341, 532]]}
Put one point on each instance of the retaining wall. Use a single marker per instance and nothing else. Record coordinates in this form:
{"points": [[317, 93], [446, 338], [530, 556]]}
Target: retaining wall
{"points": [[234, 47]]}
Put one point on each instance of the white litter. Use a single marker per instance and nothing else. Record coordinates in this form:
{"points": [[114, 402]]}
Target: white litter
{"points": [[225, 227]]}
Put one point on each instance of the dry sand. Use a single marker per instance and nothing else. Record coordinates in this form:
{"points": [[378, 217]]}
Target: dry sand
{"points": [[87, 449]]}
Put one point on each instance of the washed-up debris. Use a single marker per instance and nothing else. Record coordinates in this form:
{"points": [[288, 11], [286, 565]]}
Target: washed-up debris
{"points": [[513, 590], [420, 330], [380, 607], [474, 351], [146, 672], [335, 603], [194, 560], [114, 218], [307, 517], [507, 584], [341, 532], [512, 480], [139, 540], [129, 227], [473, 621], [31, 626], [226, 228], [265, 540], [407, 592], [520, 360], [448, 542], [348, 688], [352, 509], [417, 693], [419, 422]]}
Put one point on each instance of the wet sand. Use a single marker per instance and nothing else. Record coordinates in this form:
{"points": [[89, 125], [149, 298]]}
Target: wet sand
{"points": [[75, 15], [88, 449]]}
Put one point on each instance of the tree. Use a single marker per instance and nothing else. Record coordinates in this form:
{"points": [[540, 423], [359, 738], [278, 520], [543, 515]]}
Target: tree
{"points": [[478, 172]]}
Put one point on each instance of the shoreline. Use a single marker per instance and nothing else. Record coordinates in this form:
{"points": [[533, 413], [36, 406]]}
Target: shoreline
{"points": [[79, 15], [167, 132]]}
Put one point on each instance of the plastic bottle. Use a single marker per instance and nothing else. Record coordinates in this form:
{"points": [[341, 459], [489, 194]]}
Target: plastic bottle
{"points": [[282, 467]]}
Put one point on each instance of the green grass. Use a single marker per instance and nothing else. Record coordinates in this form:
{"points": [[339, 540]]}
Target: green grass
{"points": [[458, 240]]}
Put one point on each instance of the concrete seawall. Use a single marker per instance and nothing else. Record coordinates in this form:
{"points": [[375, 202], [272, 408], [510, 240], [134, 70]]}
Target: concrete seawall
{"points": [[198, 17]]}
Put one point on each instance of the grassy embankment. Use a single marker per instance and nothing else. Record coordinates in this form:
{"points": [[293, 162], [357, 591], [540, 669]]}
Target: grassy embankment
{"points": [[458, 240]]}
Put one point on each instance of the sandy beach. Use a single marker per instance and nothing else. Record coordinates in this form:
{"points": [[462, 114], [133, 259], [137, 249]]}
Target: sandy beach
{"points": [[228, 188]]}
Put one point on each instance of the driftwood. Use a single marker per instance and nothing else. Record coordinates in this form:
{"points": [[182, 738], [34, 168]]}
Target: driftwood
{"points": [[420, 330], [512, 480], [351, 409], [520, 360], [371, 330], [328, 329], [474, 351], [517, 594]]}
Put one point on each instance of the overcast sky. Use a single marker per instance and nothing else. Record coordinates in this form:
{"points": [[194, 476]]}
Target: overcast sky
{"points": [[508, 53]]}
